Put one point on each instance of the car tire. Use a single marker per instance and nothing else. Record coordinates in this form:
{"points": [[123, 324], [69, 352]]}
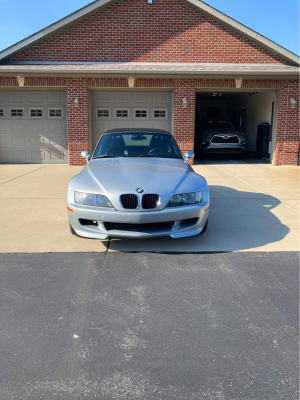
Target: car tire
{"points": [[72, 230], [204, 229]]}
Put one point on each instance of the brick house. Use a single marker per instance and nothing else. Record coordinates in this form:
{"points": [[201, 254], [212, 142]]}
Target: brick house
{"points": [[143, 63]]}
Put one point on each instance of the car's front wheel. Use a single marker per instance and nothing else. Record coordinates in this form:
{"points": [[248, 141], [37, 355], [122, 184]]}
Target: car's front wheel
{"points": [[204, 229]]}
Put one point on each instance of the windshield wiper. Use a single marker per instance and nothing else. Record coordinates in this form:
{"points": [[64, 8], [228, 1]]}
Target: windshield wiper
{"points": [[107, 156]]}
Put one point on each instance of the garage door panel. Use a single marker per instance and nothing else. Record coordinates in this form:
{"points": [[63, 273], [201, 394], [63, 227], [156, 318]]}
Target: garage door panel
{"points": [[37, 126], [33, 138], [16, 97], [102, 98], [38, 155], [140, 98], [121, 98], [2, 127], [132, 102], [35, 97], [55, 97]]}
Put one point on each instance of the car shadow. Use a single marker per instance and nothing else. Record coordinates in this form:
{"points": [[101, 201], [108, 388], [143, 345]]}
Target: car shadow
{"points": [[238, 221]]}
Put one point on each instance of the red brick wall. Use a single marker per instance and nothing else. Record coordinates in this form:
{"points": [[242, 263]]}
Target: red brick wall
{"points": [[288, 128], [132, 30], [78, 119]]}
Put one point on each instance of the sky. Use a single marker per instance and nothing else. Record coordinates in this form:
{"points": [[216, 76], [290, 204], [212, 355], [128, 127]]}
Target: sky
{"points": [[278, 20]]}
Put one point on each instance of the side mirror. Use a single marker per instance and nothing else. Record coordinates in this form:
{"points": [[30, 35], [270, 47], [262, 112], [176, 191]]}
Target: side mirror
{"points": [[188, 155], [86, 154]]}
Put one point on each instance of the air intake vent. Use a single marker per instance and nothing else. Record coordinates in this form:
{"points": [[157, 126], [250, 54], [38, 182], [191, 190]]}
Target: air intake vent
{"points": [[150, 201], [129, 201]]}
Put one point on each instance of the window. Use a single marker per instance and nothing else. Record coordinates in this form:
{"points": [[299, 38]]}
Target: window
{"points": [[103, 113], [122, 113], [55, 112], [36, 112], [160, 113], [1, 112], [140, 113], [16, 112]]}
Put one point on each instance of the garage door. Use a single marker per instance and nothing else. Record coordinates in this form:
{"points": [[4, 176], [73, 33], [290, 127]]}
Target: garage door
{"points": [[130, 110], [33, 127]]}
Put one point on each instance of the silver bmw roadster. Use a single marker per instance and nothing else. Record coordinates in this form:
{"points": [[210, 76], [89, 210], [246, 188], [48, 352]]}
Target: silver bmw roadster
{"points": [[137, 184]]}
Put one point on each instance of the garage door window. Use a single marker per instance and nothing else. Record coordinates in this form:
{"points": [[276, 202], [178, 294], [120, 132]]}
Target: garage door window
{"points": [[36, 113], [160, 114], [103, 113], [1, 112], [17, 112], [122, 113], [141, 113], [55, 113]]}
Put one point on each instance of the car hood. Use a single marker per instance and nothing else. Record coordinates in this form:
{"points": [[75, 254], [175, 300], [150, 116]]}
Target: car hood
{"points": [[115, 176]]}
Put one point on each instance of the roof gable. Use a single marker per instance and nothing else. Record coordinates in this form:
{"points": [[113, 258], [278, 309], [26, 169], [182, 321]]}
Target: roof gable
{"points": [[159, 44]]}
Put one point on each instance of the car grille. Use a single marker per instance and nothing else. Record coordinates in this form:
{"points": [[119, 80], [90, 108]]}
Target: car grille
{"points": [[150, 201], [129, 201], [221, 139], [142, 228]]}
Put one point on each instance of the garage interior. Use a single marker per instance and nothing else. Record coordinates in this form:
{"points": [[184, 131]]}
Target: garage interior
{"points": [[246, 111]]}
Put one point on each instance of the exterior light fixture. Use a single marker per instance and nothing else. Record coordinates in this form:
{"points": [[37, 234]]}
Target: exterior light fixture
{"points": [[184, 102], [293, 103], [131, 82], [21, 80], [150, 1], [238, 83], [76, 102]]}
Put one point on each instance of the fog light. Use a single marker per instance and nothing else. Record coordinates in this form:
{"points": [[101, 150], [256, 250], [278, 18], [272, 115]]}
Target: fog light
{"points": [[203, 142], [244, 143]]}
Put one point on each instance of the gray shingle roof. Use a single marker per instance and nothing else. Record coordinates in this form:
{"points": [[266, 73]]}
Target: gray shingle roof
{"points": [[152, 68]]}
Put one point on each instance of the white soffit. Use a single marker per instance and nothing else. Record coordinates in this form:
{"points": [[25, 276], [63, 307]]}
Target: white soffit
{"points": [[200, 5]]}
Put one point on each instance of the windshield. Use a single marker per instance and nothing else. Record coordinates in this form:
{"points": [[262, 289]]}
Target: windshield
{"points": [[140, 144], [216, 124]]}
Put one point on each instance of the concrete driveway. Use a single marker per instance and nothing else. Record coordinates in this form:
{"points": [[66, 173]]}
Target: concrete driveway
{"points": [[253, 208]]}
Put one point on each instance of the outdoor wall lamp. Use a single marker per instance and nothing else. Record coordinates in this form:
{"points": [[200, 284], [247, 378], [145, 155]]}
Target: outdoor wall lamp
{"points": [[184, 102], [238, 83], [131, 82], [76, 102], [21, 80], [293, 103]]}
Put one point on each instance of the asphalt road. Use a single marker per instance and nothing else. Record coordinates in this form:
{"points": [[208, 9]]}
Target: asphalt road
{"points": [[149, 326]]}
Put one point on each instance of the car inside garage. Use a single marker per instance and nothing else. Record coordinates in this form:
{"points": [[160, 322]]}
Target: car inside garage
{"points": [[234, 125]]}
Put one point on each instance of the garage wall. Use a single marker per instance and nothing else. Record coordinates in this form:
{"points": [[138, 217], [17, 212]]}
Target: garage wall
{"points": [[258, 109]]}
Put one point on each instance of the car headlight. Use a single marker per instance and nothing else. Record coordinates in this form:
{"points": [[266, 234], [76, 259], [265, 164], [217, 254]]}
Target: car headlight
{"points": [[185, 199], [89, 199]]}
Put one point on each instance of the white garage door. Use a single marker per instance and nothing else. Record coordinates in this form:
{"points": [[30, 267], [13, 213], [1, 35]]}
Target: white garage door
{"points": [[33, 127], [112, 110]]}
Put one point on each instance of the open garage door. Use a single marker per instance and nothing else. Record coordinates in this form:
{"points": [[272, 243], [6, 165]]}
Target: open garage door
{"points": [[112, 110], [33, 127], [227, 114]]}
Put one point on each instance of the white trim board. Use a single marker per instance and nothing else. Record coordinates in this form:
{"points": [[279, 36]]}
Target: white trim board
{"points": [[197, 4]]}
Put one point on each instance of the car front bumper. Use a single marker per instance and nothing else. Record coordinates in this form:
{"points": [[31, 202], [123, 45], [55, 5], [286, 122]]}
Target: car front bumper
{"points": [[103, 223], [209, 148]]}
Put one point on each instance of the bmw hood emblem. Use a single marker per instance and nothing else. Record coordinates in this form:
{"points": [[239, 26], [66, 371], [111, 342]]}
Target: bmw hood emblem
{"points": [[140, 190]]}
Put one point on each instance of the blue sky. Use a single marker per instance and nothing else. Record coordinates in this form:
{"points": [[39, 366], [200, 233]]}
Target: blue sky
{"points": [[278, 20]]}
